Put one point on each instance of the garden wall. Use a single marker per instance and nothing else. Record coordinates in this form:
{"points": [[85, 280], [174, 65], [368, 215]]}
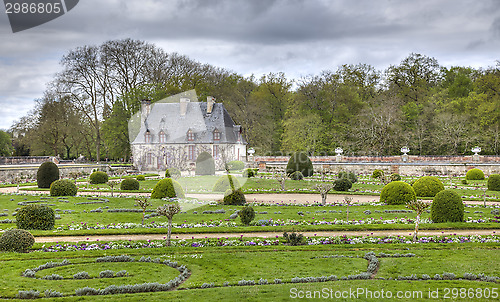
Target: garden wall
{"points": [[9, 173]]}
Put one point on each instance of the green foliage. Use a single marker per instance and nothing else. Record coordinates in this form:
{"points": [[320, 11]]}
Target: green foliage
{"points": [[35, 217], [47, 173], [172, 172], [63, 187], [427, 186], [494, 182], [351, 176], [294, 239], [464, 181], [247, 214], [299, 161], [5, 144], [474, 174], [342, 184], [447, 206], [297, 175], [394, 177], [377, 173], [15, 240], [98, 177], [167, 188], [235, 198], [397, 192], [205, 164], [249, 173], [223, 183], [140, 177], [129, 184], [236, 165]]}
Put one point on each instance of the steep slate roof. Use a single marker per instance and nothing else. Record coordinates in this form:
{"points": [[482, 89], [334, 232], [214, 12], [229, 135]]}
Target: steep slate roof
{"points": [[166, 117]]}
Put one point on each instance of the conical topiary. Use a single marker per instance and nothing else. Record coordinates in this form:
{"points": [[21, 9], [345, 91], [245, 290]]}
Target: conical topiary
{"points": [[299, 161], [47, 173]]}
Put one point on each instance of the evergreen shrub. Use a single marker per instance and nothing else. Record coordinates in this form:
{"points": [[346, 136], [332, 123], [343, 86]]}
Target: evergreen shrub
{"points": [[397, 192], [172, 172], [129, 184], [140, 177], [15, 240], [394, 177], [474, 174], [447, 206], [351, 176], [205, 164], [35, 217], [377, 173], [98, 177], [494, 182], [236, 165], [234, 198], [342, 184], [299, 161], [47, 173], [249, 173], [63, 187], [427, 186], [223, 184], [247, 214], [297, 175], [167, 187]]}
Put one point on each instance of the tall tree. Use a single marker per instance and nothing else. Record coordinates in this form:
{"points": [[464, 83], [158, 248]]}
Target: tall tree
{"points": [[5, 144]]}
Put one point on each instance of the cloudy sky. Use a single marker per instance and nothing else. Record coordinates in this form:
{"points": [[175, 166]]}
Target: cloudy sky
{"points": [[298, 37]]}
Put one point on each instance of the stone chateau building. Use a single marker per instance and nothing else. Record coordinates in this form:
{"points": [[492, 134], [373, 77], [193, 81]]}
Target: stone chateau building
{"points": [[173, 134]]}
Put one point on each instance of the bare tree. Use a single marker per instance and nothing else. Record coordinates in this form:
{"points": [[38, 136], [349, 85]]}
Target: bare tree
{"points": [[169, 210], [348, 201], [419, 207], [143, 204]]}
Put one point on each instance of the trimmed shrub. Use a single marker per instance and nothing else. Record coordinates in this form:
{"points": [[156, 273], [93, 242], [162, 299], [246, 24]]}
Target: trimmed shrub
{"points": [[394, 177], [342, 184], [222, 184], [297, 175], [205, 164], [167, 188], [98, 177], [47, 173], [15, 240], [236, 165], [129, 184], [247, 214], [474, 174], [172, 172], [299, 161], [235, 198], [63, 187], [494, 182], [35, 217], [351, 176], [447, 206], [377, 173], [427, 186], [140, 177], [249, 173], [397, 192]]}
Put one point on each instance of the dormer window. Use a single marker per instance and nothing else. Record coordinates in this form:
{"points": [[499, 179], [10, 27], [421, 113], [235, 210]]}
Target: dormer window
{"points": [[216, 135], [147, 136], [190, 135], [162, 137]]}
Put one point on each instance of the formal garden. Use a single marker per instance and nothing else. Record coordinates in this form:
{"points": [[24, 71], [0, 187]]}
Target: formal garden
{"points": [[188, 263]]}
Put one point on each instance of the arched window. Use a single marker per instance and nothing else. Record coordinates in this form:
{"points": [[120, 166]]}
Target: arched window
{"points": [[190, 135], [216, 135], [162, 137]]}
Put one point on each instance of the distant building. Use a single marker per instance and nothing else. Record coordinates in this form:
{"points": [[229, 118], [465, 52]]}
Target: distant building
{"points": [[173, 134]]}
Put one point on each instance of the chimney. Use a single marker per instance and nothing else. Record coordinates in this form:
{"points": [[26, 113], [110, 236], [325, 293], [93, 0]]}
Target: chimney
{"points": [[210, 104], [183, 106], [145, 110]]}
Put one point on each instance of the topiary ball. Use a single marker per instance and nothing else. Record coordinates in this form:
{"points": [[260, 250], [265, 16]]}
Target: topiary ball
{"points": [[299, 161], [377, 173], [167, 188], [447, 206], [474, 174], [395, 177], [63, 187], [98, 177], [397, 192], [342, 184], [140, 177], [172, 172], [494, 182], [297, 175], [235, 198], [35, 217], [16, 240], [223, 184], [248, 173], [236, 165], [47, 173], [247, 214], [351, 176], [427, 186], [205, 164], [129, 184]]}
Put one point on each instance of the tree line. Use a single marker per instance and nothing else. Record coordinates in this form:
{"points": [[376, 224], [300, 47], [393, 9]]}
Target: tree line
{"points": [[434, 110]]}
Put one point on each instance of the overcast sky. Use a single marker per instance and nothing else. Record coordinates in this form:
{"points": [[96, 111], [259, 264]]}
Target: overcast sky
{"points": [[297, 37]]}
